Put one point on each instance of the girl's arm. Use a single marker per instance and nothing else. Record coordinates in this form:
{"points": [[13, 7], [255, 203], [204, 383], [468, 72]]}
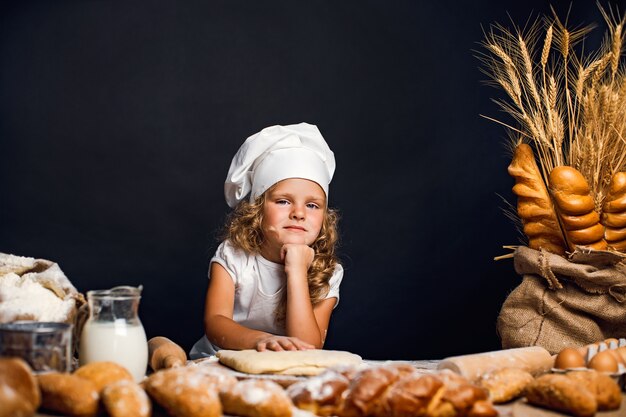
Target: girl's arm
{"points": [[223, 331], [304, 321]]}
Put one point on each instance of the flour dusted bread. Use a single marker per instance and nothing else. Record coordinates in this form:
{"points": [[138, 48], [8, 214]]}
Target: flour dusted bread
{"points": [[68, 394], [103, 373], [506, 384], [256, 398], [296, 362], [321, 394], [534, 205], [576, 209], [125, 399], [19, 392], [185, 392]]}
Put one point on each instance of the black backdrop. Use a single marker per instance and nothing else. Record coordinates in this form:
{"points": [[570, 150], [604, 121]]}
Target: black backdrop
{"points": [[118, 121]]}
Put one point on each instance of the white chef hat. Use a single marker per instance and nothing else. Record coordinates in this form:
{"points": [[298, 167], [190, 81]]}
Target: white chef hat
{"points": [[277, 153]]}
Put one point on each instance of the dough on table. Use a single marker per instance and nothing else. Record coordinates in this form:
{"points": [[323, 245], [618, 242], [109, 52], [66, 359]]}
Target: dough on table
{"points": [[287, 362]]}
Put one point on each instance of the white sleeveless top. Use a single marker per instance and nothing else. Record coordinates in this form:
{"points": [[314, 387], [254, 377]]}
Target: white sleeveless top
{"points": [[259, 287]]}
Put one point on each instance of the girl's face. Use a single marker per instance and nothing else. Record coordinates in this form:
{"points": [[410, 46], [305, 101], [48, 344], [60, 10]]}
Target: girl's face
{"points": [[293, 212]]}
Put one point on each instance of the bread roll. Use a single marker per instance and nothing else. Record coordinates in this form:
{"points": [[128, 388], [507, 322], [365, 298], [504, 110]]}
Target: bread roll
{"points": [[614, 213], [576, 209], [126, 399], [321, 394], [606, 391], [533, 359], [506, 384], [12, 404], [184, 392], [16, 378], [103, 373], [256, 398], [534, 206], [163, 353], [68, 394], [560, 393]]}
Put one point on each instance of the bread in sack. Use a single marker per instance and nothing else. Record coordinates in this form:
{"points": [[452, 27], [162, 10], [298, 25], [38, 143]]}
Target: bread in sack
{"points": [[614, 213], [576, 209], [534, 206]]}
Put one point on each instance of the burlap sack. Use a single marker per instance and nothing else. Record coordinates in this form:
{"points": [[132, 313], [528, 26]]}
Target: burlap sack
{"points": [[564, 302]]}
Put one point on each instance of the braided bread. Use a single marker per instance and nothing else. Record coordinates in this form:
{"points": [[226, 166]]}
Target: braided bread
{"points": [[614, 213], [576, 209], [391, 391], [534, 206]]}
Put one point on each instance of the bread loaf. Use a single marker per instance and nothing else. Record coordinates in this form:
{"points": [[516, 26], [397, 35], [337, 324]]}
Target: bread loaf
{"points": [[256, 398], [163, 353], [19, 392], [365, 392], [506, 384], [534, 206], [126, 399], [321, 394], [560, 393], [603, 387], [103, 373], [614, 213], [184, 392], [576, 209], [533, 359], [68, 394]]}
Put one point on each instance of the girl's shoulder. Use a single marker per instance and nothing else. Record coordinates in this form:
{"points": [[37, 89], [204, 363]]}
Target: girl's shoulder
{"points": [[230, 252]]}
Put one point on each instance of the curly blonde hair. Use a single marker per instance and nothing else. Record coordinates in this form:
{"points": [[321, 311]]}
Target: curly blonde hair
{"points": [[243, 229]]}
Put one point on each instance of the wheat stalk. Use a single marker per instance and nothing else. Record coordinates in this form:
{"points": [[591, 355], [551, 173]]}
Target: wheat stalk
{"points": [[571, 107]]}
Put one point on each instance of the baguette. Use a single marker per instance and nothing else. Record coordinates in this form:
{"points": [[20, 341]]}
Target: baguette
{"points": [[534, 206], [614, 213], [576, 209]]}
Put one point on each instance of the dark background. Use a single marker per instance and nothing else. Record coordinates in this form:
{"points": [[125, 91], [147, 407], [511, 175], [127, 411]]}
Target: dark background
{"points": [[118, 121]]}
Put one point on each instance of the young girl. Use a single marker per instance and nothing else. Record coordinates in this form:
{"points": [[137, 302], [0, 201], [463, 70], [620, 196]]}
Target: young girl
{"points": [[274, 280]]}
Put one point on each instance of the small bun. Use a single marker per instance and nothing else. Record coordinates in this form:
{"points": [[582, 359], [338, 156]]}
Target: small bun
{"points": [[17, 375], [68, 394], [103, 373], [126, 399], [256, 398], [321, 394], [185, 392]]}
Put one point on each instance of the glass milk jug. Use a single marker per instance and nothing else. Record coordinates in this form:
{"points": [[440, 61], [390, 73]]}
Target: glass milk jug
{"points": [[113, 331]]}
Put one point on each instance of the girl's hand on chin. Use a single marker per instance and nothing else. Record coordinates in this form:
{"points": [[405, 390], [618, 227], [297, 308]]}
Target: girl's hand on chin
{"points": [[278, 343], [297, 255]]}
